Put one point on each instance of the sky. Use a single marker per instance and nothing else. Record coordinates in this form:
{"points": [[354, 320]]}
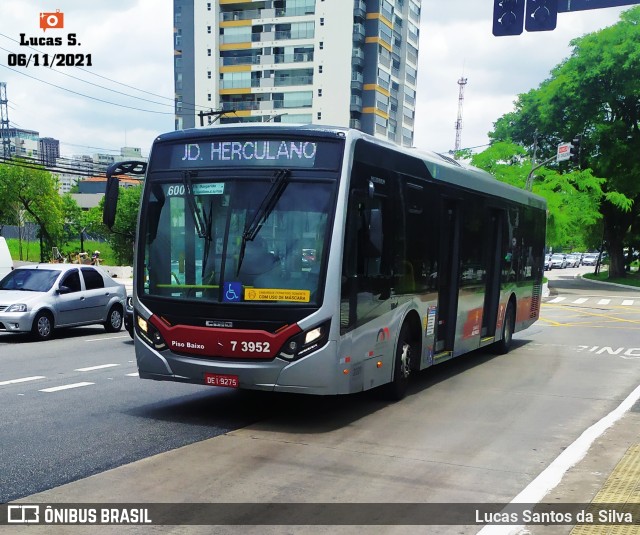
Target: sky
{"points": [[130, 46]]}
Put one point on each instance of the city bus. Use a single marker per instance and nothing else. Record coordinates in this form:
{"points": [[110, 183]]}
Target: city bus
{"points": [[322, 260]]}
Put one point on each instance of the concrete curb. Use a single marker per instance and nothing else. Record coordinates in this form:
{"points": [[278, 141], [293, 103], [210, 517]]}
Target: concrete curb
{"points": [[603, 283]]}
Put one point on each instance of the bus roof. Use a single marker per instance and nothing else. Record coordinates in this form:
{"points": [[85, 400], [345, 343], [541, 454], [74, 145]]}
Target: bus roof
{"points": [[441, 167]]}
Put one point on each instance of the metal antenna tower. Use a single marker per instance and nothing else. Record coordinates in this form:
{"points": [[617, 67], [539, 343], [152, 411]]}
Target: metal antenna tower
{"points": [[4, 122], [462, 82]]}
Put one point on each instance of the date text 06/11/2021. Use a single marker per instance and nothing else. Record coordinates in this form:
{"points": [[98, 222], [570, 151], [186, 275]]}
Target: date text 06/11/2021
{"points": [[49, 60]]}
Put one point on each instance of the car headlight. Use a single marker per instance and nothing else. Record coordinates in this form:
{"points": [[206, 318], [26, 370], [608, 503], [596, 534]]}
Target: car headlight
{"points": [[18, 307]]}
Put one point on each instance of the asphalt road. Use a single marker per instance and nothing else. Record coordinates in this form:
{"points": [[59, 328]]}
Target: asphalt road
{"points": [[79, 408], [477, 429]]}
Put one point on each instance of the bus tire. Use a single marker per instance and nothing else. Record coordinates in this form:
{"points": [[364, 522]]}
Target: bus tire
{"points": [[405, 353], [508, 325]]}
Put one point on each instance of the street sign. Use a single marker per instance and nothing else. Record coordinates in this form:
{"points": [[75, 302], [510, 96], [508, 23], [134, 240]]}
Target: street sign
{"points": [[565, 6], [564, 152]]}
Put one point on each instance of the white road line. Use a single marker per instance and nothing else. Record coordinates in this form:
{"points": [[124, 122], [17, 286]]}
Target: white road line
{"points": [[91, 368], [106, 338], [627, 302], [604, 301], [552, 475], [65, 387], [23, 380], [136, 374], [581, 300], [557, 299]]}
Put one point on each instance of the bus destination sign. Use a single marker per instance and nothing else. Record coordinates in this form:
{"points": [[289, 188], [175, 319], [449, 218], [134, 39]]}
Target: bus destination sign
{"points": [[241, 153]]}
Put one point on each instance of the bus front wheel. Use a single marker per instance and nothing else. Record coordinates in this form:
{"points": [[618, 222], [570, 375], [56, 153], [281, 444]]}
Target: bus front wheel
{"points": [[405, 352]]}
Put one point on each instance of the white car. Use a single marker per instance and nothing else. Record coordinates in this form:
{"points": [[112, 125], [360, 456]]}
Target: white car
{"points": [[558, 261], [43, 297]]}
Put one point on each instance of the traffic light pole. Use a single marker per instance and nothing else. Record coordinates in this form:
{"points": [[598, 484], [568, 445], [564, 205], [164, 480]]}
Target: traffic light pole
{"points": [[529, 184]]}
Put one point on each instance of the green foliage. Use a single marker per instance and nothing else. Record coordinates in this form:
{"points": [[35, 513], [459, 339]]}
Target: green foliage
{"points": [[595, 93], [122, 237], [572, 198], [32, 194]]}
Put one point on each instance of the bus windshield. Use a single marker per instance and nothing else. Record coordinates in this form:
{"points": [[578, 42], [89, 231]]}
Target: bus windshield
{"points": [[197, 246]]}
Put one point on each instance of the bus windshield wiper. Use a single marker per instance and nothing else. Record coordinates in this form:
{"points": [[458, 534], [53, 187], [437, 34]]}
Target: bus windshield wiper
{"points": [[278, 185], [198, 219]]}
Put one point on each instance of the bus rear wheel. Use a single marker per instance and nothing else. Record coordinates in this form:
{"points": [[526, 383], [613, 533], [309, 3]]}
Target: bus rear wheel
{"points": [[405, 352], [508, 326]]}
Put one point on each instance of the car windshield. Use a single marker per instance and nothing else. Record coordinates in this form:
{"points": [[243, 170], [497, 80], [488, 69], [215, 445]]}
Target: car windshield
{"points": [[30, 280]]}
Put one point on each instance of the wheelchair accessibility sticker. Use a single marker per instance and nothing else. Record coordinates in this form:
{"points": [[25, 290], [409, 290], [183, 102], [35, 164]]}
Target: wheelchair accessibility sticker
{"points": [[232, 291]]}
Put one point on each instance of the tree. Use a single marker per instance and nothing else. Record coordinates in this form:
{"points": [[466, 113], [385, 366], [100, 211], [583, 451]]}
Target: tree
{"points": [[572, 198], [594, 93], [121, 238], [35, 191]]}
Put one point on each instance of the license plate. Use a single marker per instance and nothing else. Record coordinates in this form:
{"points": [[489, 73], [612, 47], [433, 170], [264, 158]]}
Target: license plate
{"points": [[217, 379]]}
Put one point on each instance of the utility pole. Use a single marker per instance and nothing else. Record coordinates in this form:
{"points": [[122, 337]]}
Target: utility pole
{"points": [[462, 83], [4, 122]]}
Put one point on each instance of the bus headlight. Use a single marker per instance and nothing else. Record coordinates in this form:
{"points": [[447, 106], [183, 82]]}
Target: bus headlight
{"points": [[305, 342], [151, 335]]}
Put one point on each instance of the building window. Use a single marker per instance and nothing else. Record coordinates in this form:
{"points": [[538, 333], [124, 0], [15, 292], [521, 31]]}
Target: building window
{"points": [[321, 45], [208, 6], [319, 116], [208, 29], [209, 75], [208, 52], [321, 21], [319, 92], [320, 69]]}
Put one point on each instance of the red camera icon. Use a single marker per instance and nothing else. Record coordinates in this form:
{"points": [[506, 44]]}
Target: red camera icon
{"points": [[51, 20]]}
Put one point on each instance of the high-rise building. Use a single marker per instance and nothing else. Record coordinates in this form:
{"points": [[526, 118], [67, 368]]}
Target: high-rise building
{"points": [[335, 62], [49, 151]]}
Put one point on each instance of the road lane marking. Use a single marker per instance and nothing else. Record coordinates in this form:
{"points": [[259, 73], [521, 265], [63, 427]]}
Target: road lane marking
{"points": [[22, 380], [91, 368], [552, 475], [65, 387], [557, 300], [581, 300], [136, 374], [627, 302], [604, 301], [106, 338]]}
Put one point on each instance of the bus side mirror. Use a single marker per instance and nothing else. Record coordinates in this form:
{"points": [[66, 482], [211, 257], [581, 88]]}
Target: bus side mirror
{"points": [[111, 201]]}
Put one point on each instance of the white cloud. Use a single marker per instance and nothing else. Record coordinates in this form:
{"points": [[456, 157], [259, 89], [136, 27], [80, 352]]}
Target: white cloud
{"points": [[456, 40]]}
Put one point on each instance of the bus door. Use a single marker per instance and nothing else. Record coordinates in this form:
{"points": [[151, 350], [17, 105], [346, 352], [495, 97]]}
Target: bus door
{"points": [[448, 275], [493, 248]]}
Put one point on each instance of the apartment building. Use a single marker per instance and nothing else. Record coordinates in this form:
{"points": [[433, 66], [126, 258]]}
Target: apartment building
{"points": [[335, 62]]}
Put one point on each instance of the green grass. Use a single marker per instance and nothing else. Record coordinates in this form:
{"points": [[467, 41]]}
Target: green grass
{"points": [[31, 250], [632, 279]]}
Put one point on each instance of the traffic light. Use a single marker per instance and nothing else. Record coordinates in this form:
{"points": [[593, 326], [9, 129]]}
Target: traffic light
{"points": [[542, 15], [508, 17], [575, 150]]}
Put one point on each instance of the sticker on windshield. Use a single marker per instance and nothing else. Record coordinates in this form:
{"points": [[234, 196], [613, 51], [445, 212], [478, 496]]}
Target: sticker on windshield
{"points": [[216, 188], [277, 294], [232, 291]]}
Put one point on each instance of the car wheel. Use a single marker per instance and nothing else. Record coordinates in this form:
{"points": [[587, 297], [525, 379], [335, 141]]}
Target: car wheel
{"points": [[114, 319], [42, 328]]}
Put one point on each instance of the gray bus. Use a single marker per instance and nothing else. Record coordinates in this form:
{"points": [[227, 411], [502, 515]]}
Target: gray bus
{"points": [[322, 260]]}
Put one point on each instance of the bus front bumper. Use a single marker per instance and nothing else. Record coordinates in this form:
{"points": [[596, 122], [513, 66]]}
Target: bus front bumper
{"points": [[316, 373]]}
